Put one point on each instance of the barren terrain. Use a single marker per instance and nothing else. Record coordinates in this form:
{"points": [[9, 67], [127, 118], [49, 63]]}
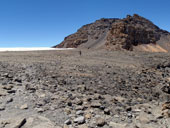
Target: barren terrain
{"points": [[110, 89]]}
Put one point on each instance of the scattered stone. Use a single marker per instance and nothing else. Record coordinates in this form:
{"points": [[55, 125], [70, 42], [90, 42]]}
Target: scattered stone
{"points": [[3, 92], [25, 106], [116, 116], [30, 88], [100, 122], [4, 123], [79, 120], [168, 79], [69, 104], [128, 109], [83, 126], [20, 123], [19, 84], [36, 121], [120, 86], [79, 102], [117, 125], [166, 89], [107, 111], [96, 104], [2, 107], [144, 118], [11, 91], [166, 113], [68, 111], [68, 122], [9, 99], [42, 95], [80, 108], [88, 116], [102, 107], [66, 126], [8, 87], [129, 115], [40, 110], [166, 106], [18, 80], [5, 75], [80, 112]]}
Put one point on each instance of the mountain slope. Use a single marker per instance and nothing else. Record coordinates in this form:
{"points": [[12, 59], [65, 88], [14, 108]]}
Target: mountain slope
{"points": [[119, 34]]}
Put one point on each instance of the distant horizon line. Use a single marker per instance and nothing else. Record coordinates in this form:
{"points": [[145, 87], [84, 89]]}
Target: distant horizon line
{"points": [[26, 47], [32, 49]]}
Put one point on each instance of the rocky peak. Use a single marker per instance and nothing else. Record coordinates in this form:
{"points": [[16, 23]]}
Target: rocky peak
{"points": [[132, 31], [115, 34]]}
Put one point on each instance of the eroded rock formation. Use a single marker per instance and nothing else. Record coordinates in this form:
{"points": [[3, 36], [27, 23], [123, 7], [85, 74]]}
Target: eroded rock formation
{"points": [[117, 34]]}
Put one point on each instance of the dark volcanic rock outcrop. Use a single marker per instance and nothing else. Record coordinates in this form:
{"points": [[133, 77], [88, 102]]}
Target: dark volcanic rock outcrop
{"points": [[118, 34], [88, 34]]}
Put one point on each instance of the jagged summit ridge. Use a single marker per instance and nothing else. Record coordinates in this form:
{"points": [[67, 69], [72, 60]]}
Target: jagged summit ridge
{"points": [[118, 34]]}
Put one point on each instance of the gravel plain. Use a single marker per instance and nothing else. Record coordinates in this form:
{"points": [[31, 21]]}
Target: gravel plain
{"points": [[97, 88]]}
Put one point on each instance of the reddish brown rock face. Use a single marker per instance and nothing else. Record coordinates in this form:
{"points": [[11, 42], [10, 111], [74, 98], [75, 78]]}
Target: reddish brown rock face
{"points": [[116, 34], [130, 32]]}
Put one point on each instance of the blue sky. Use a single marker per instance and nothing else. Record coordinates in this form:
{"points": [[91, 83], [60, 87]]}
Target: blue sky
{"points": [[44, 23]]}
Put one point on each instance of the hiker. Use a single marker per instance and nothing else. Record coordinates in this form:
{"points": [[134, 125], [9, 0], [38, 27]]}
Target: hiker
{"points": [[80, 52]]}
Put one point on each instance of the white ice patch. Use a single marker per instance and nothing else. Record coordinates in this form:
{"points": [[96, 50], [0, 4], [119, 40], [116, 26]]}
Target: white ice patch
{"points": [[32, 49]]}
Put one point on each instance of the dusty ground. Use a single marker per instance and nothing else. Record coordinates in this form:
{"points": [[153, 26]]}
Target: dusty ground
{"points": [[53, 89]]}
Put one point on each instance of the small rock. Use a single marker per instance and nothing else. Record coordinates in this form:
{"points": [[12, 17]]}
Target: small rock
{"points": [[68, 122], [100, 122], [9, 99], [3, 93], [40, 110], [128, 109], [42, 95], [107, 111], [83, 126], [69, 104], [102, 107], [11, 91], [165, 106], [95, 104], [116, 116], [79, 102], [5, 74], [168, 79], [80, 120], [66, 126], [117, 125], [166, 89], [144, 118], [97, 97], [80, 112], [2, 108], [19, 84], [80, 108], [20, 123], [4, 123], [18, 80], [30, 88], [166, 113], [25, 106], [88, 116], [67, 111], [136, 110], [129, 115], [7, 87]]}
